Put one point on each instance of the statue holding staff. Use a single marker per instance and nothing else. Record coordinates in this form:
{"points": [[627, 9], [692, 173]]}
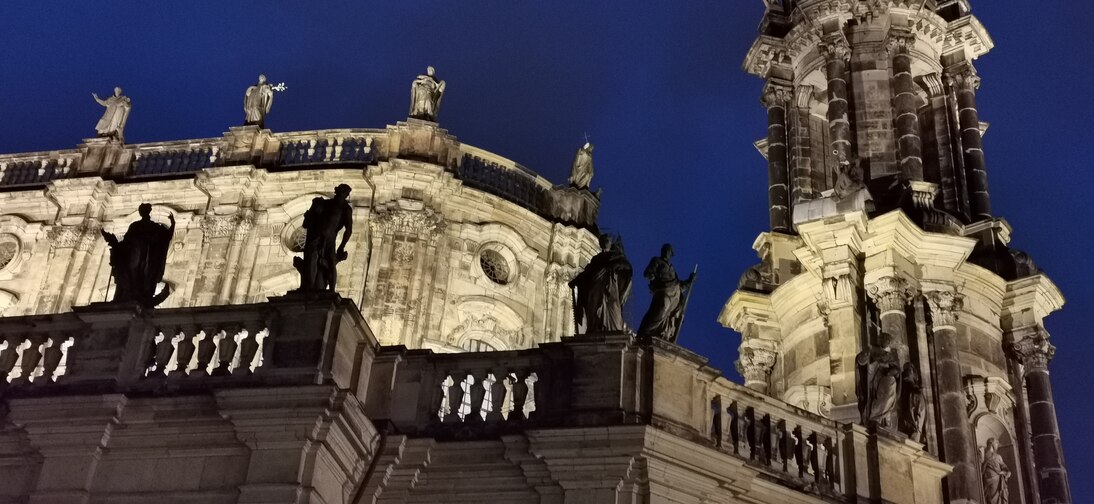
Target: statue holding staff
{"points": [[137, 261], [667, 307]]}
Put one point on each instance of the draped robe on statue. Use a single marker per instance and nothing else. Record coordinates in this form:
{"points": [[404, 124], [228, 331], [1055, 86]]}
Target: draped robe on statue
{"points": [[602, 289]]}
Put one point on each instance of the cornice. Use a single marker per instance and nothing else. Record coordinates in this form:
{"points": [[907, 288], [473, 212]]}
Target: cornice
{"points": [[747, 307], [1029, 300], [894, 231]]}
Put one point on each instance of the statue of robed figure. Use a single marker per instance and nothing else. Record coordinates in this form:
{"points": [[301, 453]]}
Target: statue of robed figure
{"points": [[425, 96], [322, 222], [581, 173], [602, 289], [137, 261], [112, 124], [995, 473], [257, 102], [879, 382], [667, 307]]}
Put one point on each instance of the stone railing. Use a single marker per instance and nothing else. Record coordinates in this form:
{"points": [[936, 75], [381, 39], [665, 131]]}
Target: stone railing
{"points": [[112, 347], [474, 167], [36, 170]]}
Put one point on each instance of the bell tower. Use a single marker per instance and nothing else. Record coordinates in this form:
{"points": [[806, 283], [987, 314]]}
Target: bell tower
{"points": [[888, 295]]}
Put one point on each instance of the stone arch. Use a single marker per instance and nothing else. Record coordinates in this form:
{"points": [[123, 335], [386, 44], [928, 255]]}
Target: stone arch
{"points": [[988, 425]]}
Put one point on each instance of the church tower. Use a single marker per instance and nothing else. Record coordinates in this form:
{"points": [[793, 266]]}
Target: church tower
{"points": [[888, 293]]}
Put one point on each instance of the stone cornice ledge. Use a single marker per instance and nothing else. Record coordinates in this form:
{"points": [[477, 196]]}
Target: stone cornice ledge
{"points": [[746, 307], [894, 231], [1029, 300]]}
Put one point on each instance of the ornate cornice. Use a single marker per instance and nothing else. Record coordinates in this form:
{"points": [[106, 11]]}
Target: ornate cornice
{"points": [[944, 307]]}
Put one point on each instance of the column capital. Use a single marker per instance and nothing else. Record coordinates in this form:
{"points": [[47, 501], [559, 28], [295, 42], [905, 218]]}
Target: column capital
{"points": [[944, 305], [963, 77], [776, 94], [890, 293], [757, 358], [836, 48], [1034, 350], [899, 42]]}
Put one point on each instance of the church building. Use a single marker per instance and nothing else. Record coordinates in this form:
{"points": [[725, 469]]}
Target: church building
{"points": [[387, 315]]}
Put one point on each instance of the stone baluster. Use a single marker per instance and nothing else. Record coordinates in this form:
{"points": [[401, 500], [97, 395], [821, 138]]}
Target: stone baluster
{"points": [[831, 463], [782, 446], [520, 395], [964, 82], [750, 432], [797, 452], [9, 355], [478, 396], [250, 348], [31, 356], [1033, 352], [497, 395], [454, 382], [185, 343], [909, 144], [205, 351], [55, 361], [813, 456], [763, 434], [163, 349], [957, 441], [716, 421], [837, 54], [734, 427], [775, 98]]}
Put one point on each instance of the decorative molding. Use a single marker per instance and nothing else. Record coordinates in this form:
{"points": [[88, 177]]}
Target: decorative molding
{"points": [[757, 359], [776, 94], [836, 48], [963, 78], [425, 222]]}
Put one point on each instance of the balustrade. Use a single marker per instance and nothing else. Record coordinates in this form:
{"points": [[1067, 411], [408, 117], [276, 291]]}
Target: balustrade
{"points": [[34, 358], [166, 162], [332, 149], [34, 171]]}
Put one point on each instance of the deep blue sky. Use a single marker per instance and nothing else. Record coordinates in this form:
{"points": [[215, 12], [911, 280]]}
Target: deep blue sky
{"points": [[656, 84]]}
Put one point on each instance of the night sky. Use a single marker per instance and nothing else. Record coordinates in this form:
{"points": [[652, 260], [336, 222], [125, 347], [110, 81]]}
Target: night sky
{"points": [[657, 86]]}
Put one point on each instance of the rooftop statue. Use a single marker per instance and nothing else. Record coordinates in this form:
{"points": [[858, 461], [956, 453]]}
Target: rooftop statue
{"points": [[137, 261], [425, 96], [666, 311], [581, 173], [322, 222], [602, 289], [112, 124], [257, 101], [879, 372]]}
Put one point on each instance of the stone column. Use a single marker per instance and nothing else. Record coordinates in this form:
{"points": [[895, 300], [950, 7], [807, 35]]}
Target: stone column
{"points": [[801, 156], [909, 145], [775, 98], [957, 443], [890, 294], [757, 358], [1034, 352], [837, 54], [842, 311], [965, 82]]}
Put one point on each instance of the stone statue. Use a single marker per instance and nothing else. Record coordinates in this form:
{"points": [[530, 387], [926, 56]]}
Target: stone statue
{"points": [[912, 411], [667, 307], [137, 261], [603, 288], [879, 366], [995, 474], [112, 124], [849, 179], [581, 173], [425, 96], [321, 223], [257, 102]]}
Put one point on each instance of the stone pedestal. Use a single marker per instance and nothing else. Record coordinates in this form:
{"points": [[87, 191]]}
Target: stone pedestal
{"points": [[105, 157]]}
